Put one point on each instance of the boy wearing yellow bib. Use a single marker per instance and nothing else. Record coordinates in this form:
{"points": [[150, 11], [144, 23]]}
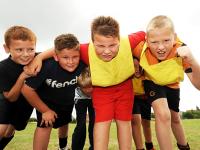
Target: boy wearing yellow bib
{"points": [[163, 72], [110, 58]]}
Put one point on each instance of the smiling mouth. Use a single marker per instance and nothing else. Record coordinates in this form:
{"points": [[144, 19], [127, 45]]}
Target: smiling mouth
{"points": [[161, 52], [25, 60]]}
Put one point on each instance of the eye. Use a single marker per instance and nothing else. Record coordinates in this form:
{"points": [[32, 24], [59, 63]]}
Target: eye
{"points": [[30, 50], [168, 40], [19, 50], [100, 46], [154, 42]]}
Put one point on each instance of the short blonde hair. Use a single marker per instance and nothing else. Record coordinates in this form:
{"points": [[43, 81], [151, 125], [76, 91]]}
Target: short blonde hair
{"points": [[158, 22], [84, 80]]}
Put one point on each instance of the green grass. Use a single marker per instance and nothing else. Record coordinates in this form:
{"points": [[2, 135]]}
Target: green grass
{"points": [[23, 139]]}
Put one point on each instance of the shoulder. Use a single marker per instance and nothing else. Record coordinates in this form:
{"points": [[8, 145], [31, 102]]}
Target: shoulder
{"points": [[138, 49], [8, 64], [84, 53], [136, 38], [49, 62]]}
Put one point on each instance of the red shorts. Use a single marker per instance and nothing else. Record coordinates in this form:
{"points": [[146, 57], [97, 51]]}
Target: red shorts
{"points": [[113, 102]]}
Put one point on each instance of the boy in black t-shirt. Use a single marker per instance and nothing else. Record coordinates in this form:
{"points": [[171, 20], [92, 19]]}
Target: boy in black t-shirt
{"points": [[51, 92], [15, 112]]}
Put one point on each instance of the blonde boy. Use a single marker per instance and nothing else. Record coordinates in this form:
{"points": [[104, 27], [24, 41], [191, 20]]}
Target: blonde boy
{"points": [[83, 104], [159, 57]]}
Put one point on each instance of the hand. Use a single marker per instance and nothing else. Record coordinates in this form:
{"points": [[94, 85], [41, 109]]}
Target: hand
{"points": [[48, 118], [28, 71], [35, 66], [185, 53], [24, 75]]}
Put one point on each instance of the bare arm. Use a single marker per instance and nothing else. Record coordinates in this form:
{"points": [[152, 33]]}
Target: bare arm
{"points": [[48, 115], [187, 56], [15, 91], [33, 98], [35, 66]]}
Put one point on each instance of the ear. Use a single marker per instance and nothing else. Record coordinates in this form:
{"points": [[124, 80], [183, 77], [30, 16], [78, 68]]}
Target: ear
{"points": [[6, 48], [55, 57]]}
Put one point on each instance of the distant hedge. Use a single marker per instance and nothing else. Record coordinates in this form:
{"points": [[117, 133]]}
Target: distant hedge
{"points": [[191, 114]]}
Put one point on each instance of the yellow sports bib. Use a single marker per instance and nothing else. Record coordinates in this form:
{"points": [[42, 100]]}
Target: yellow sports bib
{"points": [[138, 86], [166, 72], [115, 71]]}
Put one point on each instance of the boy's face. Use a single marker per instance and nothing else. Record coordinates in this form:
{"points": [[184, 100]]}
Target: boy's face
{"points": [[138, 71], [106, 47], [68, 59], [161, 41], [87, 90], [22, 52]]}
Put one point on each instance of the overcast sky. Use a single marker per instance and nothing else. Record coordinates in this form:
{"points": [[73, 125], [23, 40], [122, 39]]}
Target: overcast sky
{"points": [[49, 18]]}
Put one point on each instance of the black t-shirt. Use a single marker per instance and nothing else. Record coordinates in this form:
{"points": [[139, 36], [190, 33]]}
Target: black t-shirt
{"points": [[55, 85], [9, 73]]}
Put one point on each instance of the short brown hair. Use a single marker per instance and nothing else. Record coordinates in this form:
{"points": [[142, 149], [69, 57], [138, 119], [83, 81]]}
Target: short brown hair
{"points": [[68, 41], [160, 21], [84, 80], [106, 26], [18, 33]]}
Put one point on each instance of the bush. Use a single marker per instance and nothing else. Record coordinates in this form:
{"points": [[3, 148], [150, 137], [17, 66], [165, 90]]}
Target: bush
{"points": [[191, 114]]}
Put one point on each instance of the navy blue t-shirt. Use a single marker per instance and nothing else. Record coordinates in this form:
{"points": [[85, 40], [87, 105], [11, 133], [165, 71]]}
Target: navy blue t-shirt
{"points": [[55, 85]]}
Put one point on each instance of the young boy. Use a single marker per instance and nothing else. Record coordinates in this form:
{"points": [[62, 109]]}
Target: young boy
{"points": [[141, 113], [83, 103], [15, 112], [159, 57], [51, 92], [112, 92]]}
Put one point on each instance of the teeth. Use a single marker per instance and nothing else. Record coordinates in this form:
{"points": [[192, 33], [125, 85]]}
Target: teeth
{"points": [[161, 52]]}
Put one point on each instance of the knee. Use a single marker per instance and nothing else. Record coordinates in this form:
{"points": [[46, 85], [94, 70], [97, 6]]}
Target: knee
{"points": [[176, 119], [135, 121], [163, 116]]}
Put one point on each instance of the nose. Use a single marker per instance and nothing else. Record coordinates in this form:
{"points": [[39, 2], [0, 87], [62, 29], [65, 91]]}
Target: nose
{"points": [[107, 51], [70, 60], [25, 53], [161, 46]]}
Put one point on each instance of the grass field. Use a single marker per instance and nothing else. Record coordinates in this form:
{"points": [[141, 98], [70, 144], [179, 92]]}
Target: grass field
{"points": [[23, 139]]}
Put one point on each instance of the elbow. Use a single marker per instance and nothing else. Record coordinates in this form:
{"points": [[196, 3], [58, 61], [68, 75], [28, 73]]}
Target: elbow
{"points": [[10, 98]]}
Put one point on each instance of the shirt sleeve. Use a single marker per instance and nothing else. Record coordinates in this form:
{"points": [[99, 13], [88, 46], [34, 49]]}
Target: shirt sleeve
{"points": [[138, 50], [84, 53], [136, 38]]}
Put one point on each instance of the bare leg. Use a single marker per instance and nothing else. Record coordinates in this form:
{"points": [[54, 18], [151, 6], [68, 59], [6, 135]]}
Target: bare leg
{"points": [[41, 138], [146, 124], [3, 128], [101, 135], [63, 131], [177, 128], [162, 123], [136, 131], [124, 134]]}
